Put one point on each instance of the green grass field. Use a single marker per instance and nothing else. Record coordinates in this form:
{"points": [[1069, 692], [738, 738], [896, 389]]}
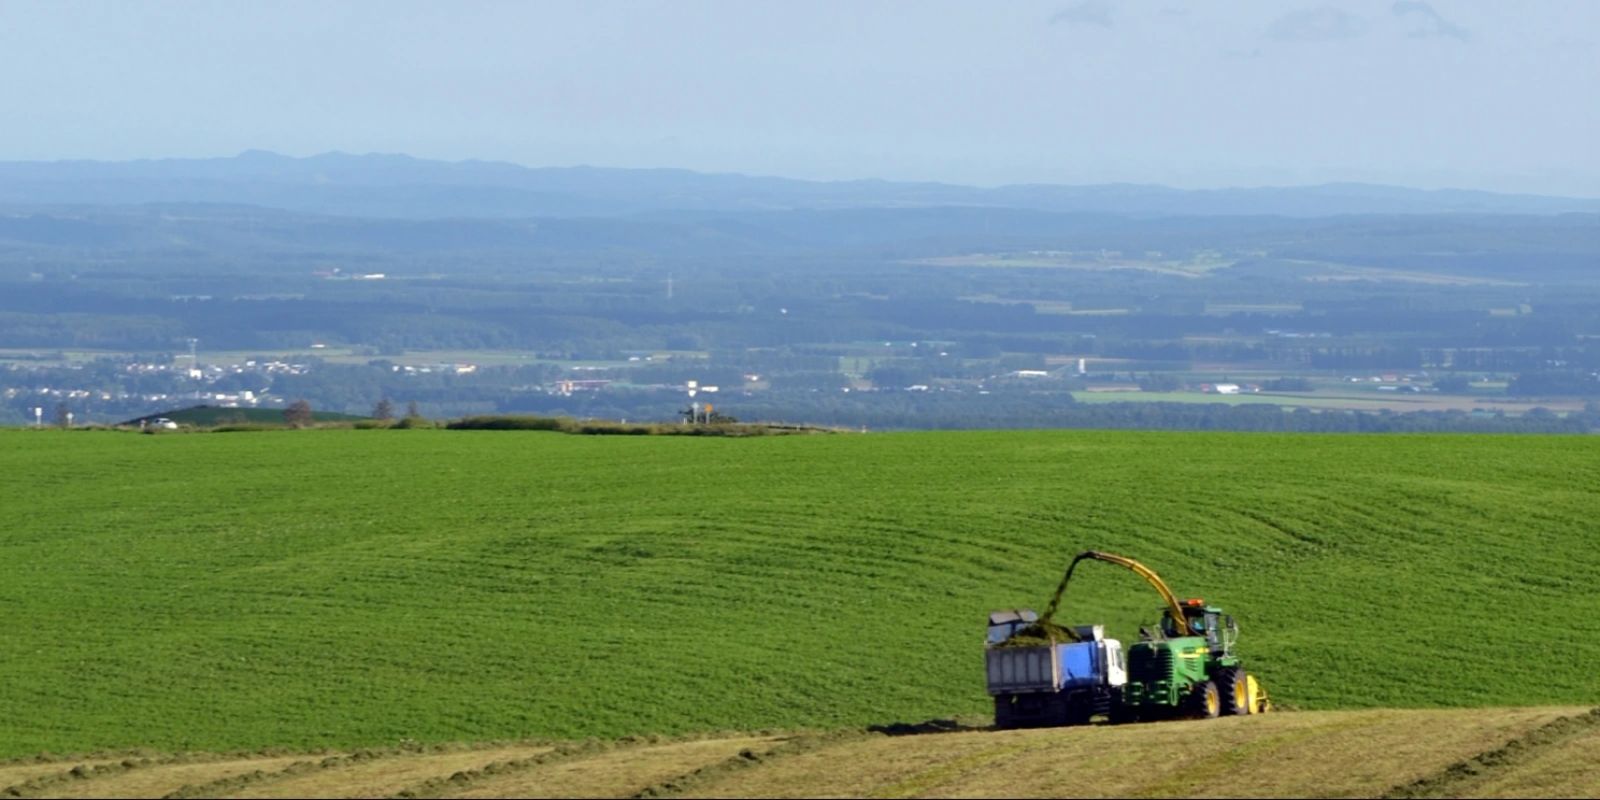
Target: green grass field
{"points": [[344, 588]]}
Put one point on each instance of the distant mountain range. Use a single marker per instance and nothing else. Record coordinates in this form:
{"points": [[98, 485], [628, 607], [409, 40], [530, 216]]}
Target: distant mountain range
{"points": [[402, 187]]}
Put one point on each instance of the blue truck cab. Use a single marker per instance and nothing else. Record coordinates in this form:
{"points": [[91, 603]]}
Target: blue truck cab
{"points": [[1064, 683]]}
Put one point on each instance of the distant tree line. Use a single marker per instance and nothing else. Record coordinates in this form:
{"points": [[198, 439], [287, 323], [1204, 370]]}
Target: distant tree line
{"points": [[932, 411]]}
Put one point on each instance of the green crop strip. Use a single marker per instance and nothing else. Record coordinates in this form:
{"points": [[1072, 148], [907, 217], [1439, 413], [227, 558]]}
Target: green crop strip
{"points": [[350, 589]]}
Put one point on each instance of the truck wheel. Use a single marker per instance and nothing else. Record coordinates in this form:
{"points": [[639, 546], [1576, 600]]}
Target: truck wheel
{"points": [[1234, 687], [1003, 716], [1205, 702]]}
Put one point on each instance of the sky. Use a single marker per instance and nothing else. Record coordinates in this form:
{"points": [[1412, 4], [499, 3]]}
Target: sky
{"points": [[1445, 93]]}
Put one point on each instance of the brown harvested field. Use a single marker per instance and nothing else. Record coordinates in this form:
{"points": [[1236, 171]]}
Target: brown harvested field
{"points": [[1570, 769], [1306, 754], [619, 773], [1325, 754], [382, 777]]}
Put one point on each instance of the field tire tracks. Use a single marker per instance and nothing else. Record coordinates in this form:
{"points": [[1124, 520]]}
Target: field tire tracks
{"points": [[692, 781], [573, 751], [1454, 779], [310, 765], [1216, 767], [83, 772], [231, 783]]}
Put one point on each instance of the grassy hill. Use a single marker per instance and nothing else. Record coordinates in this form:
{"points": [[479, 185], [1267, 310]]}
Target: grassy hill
{"points": [[1494, 752], [343, 588]]}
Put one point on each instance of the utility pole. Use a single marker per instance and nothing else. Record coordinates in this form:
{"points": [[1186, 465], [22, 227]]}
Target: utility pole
{"points": [[194, 366]]}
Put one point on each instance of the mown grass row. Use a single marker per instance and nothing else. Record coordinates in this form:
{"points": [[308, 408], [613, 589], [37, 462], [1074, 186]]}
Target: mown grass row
{"points": [[335, 588]]}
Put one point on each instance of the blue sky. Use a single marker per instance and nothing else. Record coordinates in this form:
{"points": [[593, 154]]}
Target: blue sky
{"points": [[1491, 95]]}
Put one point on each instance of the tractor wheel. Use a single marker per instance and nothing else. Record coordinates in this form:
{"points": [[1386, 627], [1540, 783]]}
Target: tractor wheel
{"points": [[1205, 702], [1234, 687], [1258, 697]]}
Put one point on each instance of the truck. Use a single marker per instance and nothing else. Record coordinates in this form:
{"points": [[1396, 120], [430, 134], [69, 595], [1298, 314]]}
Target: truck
{"points": [[1050, 682]]}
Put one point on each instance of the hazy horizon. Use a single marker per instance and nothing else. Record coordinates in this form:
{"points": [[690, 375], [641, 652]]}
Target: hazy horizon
{"points": [[1429, 95], [764, 175]]}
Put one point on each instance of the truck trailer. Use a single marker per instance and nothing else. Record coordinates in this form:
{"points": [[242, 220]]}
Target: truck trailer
{"points": [[1051, 683]]}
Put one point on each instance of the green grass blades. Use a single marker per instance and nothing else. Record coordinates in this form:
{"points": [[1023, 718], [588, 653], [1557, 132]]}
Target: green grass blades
{"points": [[347, 588]]}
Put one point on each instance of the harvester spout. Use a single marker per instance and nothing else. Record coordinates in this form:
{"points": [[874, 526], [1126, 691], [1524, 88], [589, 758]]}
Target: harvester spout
{"points": [[1174, 609]]}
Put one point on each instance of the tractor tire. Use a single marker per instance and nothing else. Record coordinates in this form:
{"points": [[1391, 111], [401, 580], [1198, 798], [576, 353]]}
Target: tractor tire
{"points": [[1204, 701], [1234, 687]]}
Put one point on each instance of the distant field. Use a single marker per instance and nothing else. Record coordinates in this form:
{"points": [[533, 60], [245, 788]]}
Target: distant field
{"points": [[1173, 397], [335, 355], [1506, 752], [1342, 273], [1181, 269], [1322, 271], [345, 588], [1039, 306], [1342, 401], [1223, 309]]}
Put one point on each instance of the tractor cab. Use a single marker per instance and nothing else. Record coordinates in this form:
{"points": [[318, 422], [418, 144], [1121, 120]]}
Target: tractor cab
{"points": [[1219, 629]]}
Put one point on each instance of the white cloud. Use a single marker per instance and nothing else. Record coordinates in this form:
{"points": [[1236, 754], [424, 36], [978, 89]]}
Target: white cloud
{"points": [[1426, 23], [1087, 12], [1321, 24]]}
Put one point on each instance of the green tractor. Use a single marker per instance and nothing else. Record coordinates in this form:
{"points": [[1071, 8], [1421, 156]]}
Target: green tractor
{"points": [[1187, 667], [1189, 672]]}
